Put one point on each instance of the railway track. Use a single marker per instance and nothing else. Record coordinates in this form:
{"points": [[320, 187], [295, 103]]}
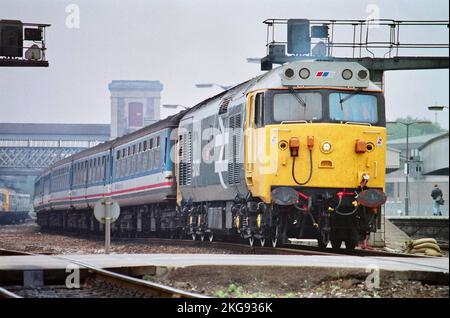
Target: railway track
{"points": [[243, 248], [96, 283], [295, 249]]}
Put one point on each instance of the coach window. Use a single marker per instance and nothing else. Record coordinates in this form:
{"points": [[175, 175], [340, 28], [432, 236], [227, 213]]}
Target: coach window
{"points": [[259, 110], [128, 161], [123, 163], [97, 166], [78, 173], [119, 164], [144, 155], [98, 171], [136, 159], [157, 154], [132, 165], [81, 173], [166, 145], [130, 153], [94, 168], [94, 171], [90, 170], [150, 153], [141, 156]]}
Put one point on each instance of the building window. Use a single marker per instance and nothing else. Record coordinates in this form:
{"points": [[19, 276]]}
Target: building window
{"points": [[135, 115]]}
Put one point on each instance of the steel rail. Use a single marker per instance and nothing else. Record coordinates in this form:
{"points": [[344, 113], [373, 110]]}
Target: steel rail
{"points": [[4, 293], [155, 289]]}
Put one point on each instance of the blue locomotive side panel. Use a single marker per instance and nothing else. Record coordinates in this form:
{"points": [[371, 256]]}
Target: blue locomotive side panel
{"points": [[211, 151]]}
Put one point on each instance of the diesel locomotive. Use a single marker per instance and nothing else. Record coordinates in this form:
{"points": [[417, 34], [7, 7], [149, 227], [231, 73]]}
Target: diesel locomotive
{"points": [[14, 206], [298, 152]]}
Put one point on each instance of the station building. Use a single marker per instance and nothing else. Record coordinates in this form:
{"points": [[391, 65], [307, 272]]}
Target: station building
{"points": [[428, 165]]}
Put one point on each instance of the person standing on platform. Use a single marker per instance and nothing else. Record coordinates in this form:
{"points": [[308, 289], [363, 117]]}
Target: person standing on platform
{"points": [[438, 200]]}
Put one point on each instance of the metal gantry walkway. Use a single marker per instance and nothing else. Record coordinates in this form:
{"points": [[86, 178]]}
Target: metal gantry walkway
{"points": [[25, 149], [379, 44], [31, 160]]}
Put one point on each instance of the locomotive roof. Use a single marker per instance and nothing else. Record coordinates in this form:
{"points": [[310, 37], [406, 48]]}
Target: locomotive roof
{"points": [[275, 79]]}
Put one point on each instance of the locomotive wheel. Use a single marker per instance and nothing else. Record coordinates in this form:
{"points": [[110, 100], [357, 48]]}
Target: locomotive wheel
{"points": [[323, 238], [251, 241], [274, 242], [193, 237], [280, 236], [202, 237], [336, 244], [263, 242], [275, 239], [350, 244], [211, 237]]}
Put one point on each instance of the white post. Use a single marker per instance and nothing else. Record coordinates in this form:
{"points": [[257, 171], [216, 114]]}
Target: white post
{"points": [[107, 226]]}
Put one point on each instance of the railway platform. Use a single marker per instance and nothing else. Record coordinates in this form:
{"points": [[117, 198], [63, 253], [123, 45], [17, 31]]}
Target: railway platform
{"points": [[399, 264]]}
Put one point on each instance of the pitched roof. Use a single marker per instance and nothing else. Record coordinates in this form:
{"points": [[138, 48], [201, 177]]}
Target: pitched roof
{"points": [[54, 129], [415, 140]]}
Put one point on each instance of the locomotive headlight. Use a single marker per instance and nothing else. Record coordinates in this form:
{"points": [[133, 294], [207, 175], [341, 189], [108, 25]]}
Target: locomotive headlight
{"points": [[347, 74], [304, 73], [326, 147], [362, 74], [289, 73]]}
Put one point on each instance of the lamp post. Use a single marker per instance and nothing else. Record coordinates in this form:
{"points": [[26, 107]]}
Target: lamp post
{"points": [[174, 106], [436, 109], [208, 85], [172, 109], [407, 157]]}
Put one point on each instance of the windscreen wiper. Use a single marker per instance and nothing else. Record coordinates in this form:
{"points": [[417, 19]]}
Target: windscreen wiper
{"points": [[299, 99], [349, 95]]}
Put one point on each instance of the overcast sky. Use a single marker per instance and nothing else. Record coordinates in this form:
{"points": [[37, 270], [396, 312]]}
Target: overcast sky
{"points": [[180, 43]]}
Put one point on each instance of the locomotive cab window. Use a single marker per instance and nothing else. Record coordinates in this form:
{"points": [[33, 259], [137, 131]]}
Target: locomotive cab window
{"points": [[353, 107], [259, 110], [295, 106]]}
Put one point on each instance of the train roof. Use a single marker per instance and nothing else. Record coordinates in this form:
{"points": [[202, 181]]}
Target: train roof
{"points": [[171, 121], [320, 74]]}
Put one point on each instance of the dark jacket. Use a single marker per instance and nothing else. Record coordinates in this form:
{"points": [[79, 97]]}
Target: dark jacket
{"points": [[436, 193]]}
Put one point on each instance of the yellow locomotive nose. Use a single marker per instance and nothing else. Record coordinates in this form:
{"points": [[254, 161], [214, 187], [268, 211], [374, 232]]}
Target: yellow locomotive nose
{"points": [[346, 155]]}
